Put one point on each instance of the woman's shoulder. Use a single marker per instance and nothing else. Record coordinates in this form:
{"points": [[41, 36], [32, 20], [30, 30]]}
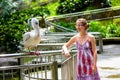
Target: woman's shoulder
{"points": [[74, 37], [91, 36]]}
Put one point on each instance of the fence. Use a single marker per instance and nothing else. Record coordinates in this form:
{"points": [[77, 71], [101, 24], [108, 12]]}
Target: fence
{"points": [[32, 67], [68, 67], [42, 67], [66, 36]]}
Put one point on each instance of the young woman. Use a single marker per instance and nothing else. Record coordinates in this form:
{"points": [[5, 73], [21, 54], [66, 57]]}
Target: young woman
{"points": [[87, 52]]}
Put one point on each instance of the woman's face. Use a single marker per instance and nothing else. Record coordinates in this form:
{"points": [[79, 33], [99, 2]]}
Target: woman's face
{"points": [[79, 26]]}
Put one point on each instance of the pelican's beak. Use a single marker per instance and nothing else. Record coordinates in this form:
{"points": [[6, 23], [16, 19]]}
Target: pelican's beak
{"points": [[29, 22]]}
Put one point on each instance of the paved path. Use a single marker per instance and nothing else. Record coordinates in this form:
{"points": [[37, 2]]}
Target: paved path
{"points": [[109, 63]]}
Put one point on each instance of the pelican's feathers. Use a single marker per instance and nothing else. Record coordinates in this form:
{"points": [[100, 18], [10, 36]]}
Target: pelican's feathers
{"points": [[32, 38]]}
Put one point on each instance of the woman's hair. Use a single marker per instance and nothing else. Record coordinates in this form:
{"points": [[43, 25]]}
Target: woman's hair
{"points": [[83, 22]]}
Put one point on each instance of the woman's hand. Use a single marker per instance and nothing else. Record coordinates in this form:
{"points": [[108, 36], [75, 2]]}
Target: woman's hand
{"points": [[94, 68], [67, 55]]}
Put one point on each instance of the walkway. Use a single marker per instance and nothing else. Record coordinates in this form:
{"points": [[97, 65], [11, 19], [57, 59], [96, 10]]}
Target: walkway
{"points": [[108, 63]]}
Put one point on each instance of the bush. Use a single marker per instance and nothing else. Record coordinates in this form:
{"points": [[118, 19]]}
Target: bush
{"points": [[97, 27], [113, 30], [69, 7], [109, 30]]}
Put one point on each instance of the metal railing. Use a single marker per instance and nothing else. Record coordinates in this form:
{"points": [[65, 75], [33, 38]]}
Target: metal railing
{"points": [[68, 35], [32, 67], [68, 67], [50, 65]]}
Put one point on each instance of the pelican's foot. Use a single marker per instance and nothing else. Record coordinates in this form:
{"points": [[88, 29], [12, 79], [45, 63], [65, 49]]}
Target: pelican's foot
{"points": [[37, 53], [31, 53]]}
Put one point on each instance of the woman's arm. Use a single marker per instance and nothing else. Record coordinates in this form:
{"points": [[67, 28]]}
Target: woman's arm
{"points": [[66, 45], [94, 49]]}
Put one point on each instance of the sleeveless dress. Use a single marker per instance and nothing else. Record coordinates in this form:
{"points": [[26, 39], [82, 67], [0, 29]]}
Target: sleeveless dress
{"points": [[85, 61]]}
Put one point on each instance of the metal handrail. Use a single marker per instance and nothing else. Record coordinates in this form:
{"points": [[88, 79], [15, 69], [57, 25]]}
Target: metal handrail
{"points": [[33, 66], [82, 13], [25, 66]]}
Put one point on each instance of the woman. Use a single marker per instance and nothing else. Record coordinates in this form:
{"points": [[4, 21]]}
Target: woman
{"points": [[87, 52]]}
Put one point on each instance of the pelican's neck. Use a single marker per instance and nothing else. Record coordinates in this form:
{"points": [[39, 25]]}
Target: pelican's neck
{"points": [[37, 30]]}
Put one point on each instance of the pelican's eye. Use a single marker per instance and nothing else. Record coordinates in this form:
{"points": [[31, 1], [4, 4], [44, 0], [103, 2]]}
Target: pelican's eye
{"points": [[36, 23]]}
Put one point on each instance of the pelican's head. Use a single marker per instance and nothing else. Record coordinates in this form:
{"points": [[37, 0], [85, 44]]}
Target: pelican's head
{"points": [[34, 22]]}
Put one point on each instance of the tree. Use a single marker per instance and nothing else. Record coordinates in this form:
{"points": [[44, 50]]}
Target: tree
{"points": [[7, 7]]}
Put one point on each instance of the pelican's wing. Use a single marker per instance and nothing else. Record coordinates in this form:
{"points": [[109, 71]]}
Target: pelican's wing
{"points": [[26, 36]]}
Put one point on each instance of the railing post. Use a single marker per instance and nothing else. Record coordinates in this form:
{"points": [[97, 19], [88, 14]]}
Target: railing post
{"points": [[54, 70], [20, 62], [100, 44]]}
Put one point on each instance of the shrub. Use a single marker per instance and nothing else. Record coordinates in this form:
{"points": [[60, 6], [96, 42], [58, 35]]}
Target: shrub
{"points": [[97, 27], [69, 7], [109, 30], [113, 30]]}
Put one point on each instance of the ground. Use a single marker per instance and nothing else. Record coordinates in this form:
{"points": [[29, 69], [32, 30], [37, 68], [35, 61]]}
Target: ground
{"points": [[108, 63]]}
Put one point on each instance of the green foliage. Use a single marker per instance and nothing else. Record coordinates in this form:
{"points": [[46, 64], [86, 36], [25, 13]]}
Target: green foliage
{"points": [[69, 7], [95, 26], [52, 7], [116, 21], [13, 26], [109, 30], [115, 2], [113, 30], [67, 25], [41, 11]]}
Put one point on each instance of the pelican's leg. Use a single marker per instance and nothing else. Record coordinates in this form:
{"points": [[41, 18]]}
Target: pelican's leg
{"points": [[31, 53], [28, 50], [36, 51]]}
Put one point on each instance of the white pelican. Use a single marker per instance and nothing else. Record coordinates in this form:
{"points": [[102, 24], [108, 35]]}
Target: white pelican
{"points": [[32, 39]]}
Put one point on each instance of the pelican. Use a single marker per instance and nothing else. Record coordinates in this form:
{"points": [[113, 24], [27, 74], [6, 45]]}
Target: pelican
{"points": [[32, 39]]}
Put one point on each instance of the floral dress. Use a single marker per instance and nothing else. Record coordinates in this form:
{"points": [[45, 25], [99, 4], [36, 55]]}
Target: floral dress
{"points": [[85, 62]]}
